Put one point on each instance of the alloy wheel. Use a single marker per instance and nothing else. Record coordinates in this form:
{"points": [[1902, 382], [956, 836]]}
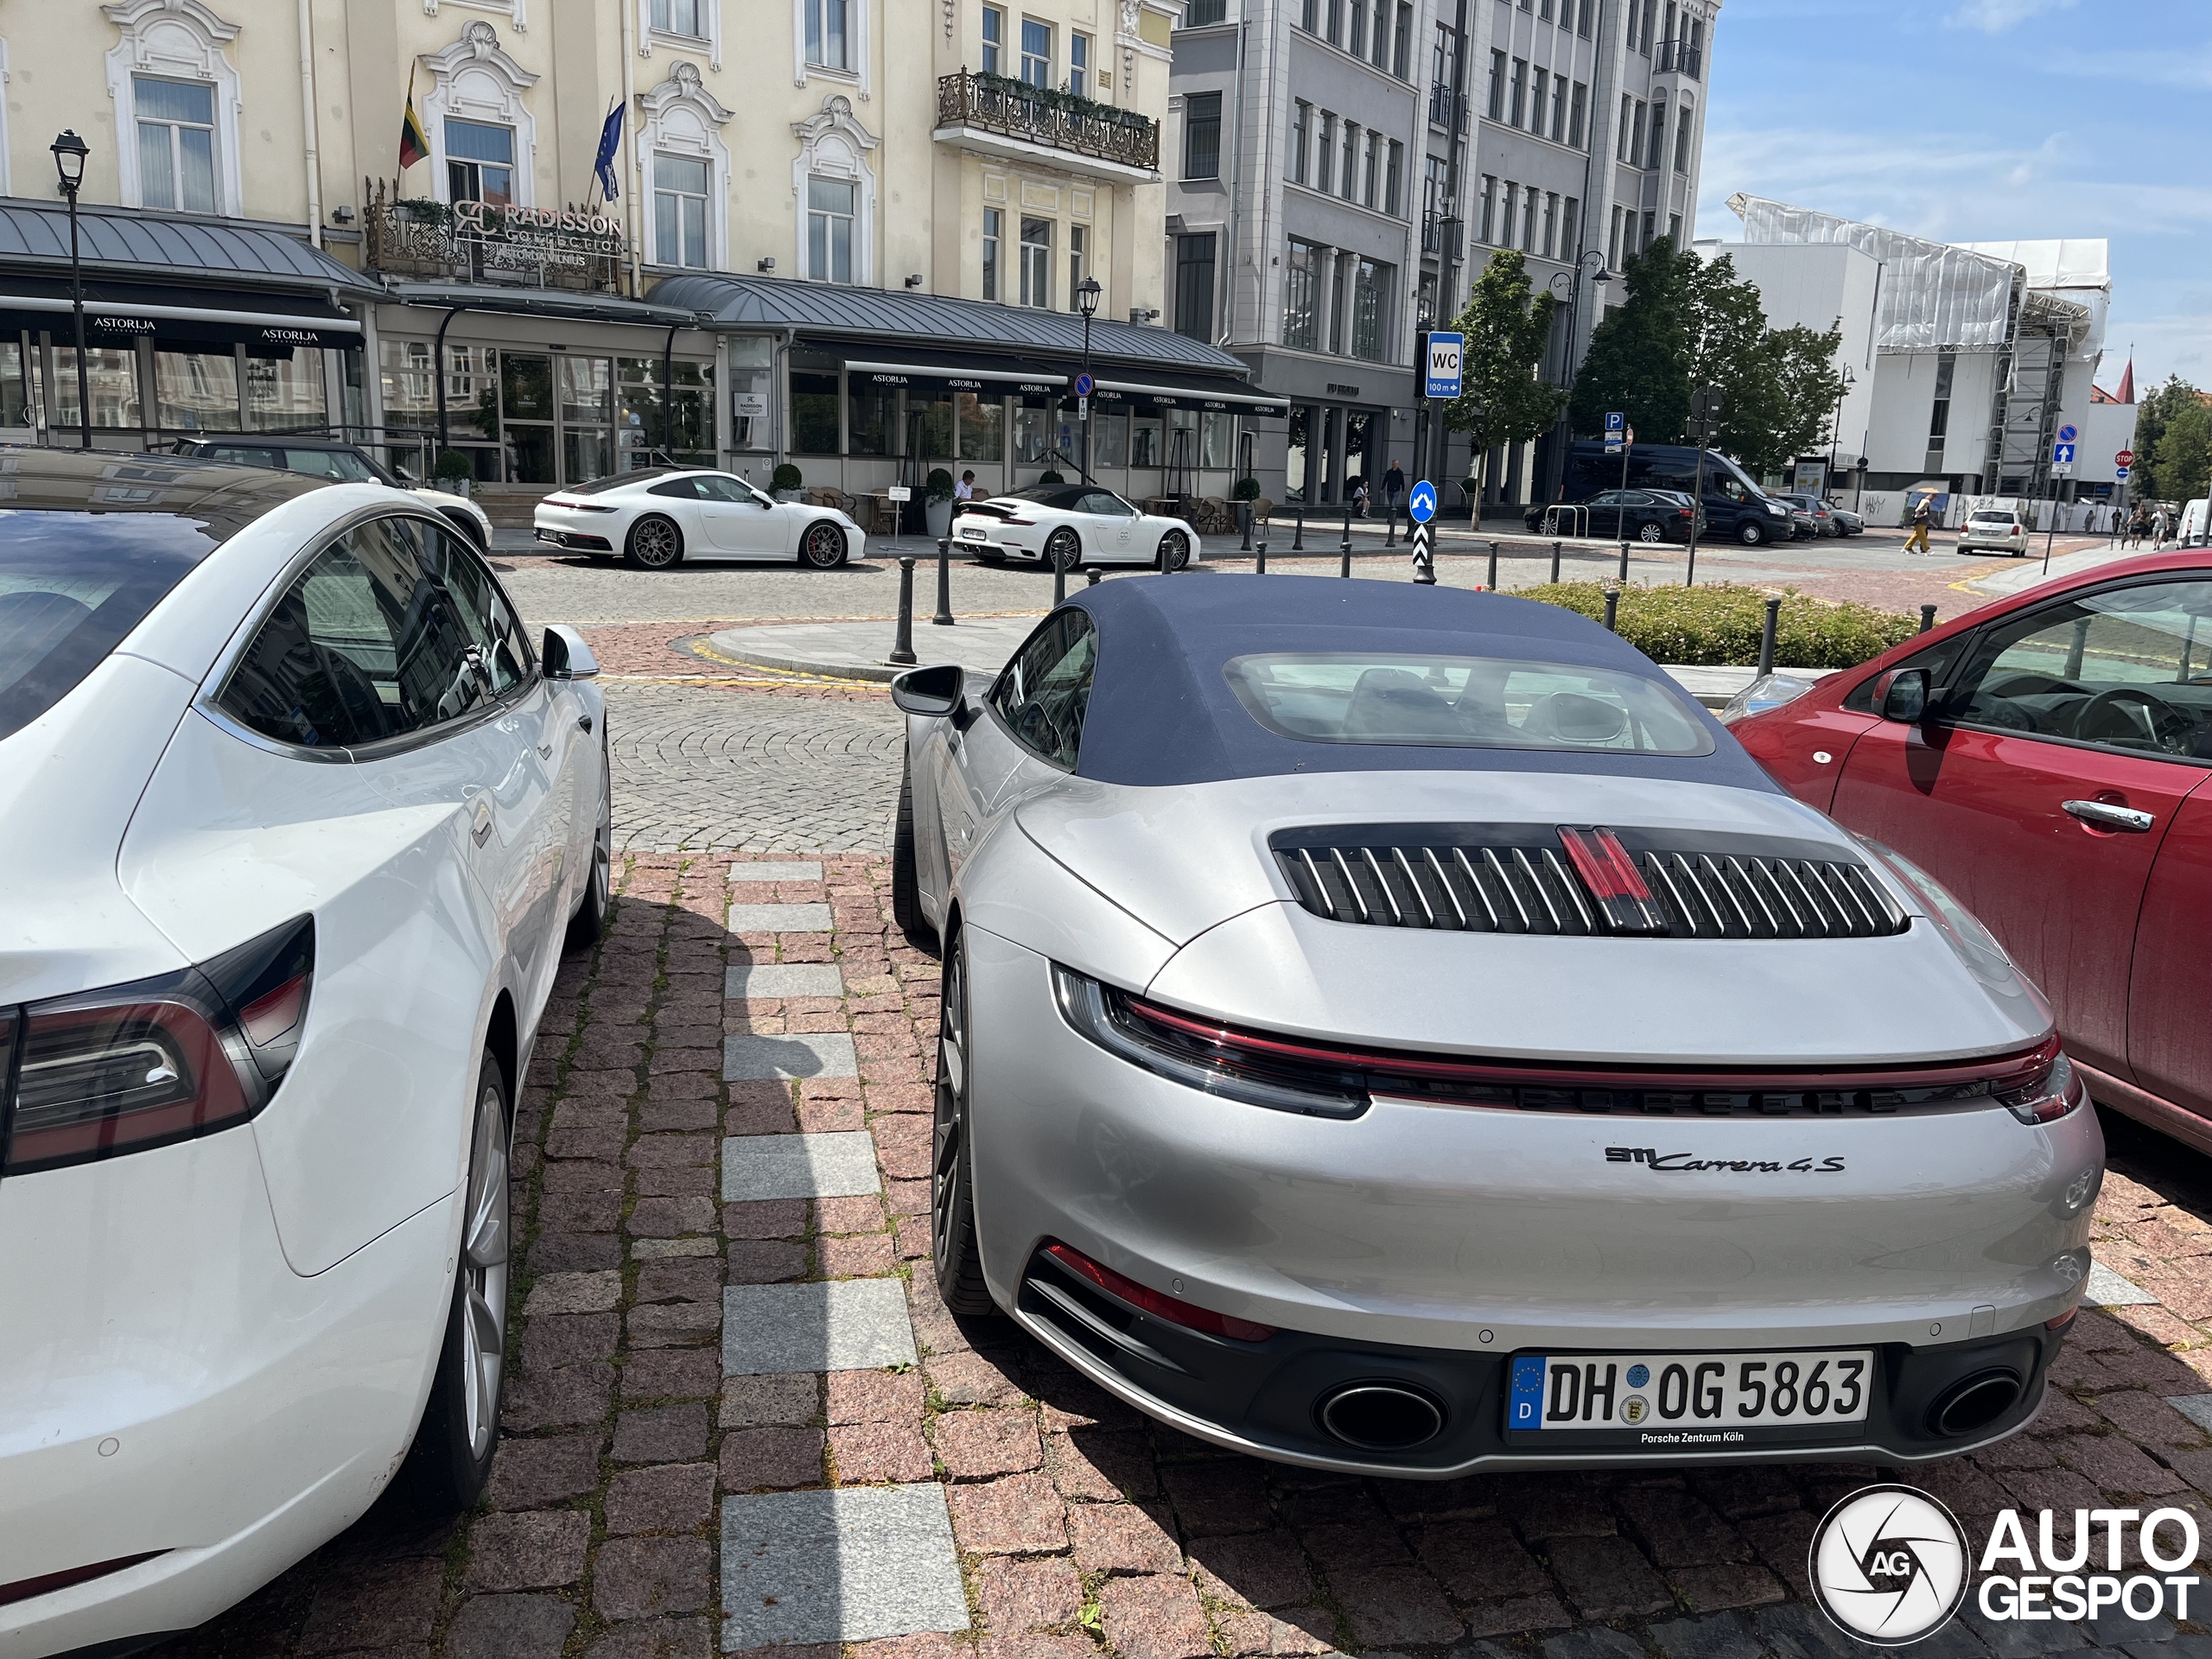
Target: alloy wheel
{"points": [[484, 1273], [1174, 552], [1062, 550], [1650, 533], [823, 548], [654, 545], [948, 1165]]}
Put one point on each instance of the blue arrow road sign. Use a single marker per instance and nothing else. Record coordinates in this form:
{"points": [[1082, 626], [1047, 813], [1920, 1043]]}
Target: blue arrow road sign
{"points": [[1615, 420], [1421, 503], [2120, 474], [2061, 455], [2067, 435], [1085, 385]]}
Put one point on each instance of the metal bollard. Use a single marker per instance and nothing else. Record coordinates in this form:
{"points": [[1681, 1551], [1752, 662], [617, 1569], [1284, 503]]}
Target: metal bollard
{"points": [[902, 648], [1245, 546], [1297, 531], [1927, 618], [1390, 524], [943, 617], [1492, 582], [1345, 547], [1059, 583], [1090, 578], [1555, 551], [1766, 636], [1624, 577], [1612, 610], [1262, 570]]}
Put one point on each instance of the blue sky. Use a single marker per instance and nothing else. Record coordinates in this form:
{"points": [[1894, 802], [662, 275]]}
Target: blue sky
{"points": [[1983, 121]]}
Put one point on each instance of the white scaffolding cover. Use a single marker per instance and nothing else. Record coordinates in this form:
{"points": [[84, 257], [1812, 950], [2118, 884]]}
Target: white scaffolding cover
{"points": [[1934, 297]]}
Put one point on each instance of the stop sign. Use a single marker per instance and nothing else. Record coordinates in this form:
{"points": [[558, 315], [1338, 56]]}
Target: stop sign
{"points": [[2124, 458]]}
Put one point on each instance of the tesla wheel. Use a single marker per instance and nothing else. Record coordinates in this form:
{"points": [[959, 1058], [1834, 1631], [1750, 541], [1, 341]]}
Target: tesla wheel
{"points": [[1650, 533], [655, 543], [822, 547], [589, 925], [1063, 550], [1751, 532], [952, 1169], [451, 1459], [905, 875], [1174, 552]]}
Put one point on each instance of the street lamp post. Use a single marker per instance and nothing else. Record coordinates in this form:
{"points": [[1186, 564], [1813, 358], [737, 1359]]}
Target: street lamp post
{"points": [[69, 153], [1087, 294], [1563, 431]]}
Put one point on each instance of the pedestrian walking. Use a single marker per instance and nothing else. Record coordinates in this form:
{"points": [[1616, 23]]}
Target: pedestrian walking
{"points": [[2138, 525], [1394, 484], [2159, 526], [1922, 517]]}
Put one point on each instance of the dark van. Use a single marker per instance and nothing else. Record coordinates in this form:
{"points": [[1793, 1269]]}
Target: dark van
{"points": [[1734, 505]]}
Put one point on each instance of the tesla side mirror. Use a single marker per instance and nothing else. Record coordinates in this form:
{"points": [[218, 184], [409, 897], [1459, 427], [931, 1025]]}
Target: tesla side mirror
{"points": [[565, 654], [936, 692], [1902, 696]]}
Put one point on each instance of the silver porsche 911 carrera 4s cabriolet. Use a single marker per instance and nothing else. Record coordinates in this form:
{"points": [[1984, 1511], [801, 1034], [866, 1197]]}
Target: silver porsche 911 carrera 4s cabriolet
{"points": [[1395, 1029]]}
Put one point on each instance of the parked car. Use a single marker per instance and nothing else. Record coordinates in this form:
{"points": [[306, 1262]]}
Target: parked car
{"points": [[1822, 515], [1211, 865], [343, 463], [658, 516], [2196, 524], [1651, 515], [2044, 757], [1071, 524], [303, 824], [1847, 521], [1735, 507], [1994, 529]]}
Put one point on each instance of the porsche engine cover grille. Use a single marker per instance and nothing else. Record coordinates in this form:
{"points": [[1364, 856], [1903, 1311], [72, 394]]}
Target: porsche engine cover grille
{"points": [[1553, 880]]}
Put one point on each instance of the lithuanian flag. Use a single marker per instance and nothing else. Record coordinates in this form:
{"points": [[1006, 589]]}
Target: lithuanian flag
{"points": [[414, 143]]}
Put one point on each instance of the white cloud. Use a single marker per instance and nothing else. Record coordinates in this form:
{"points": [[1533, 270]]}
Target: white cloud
{"points": [[1995, 17]]}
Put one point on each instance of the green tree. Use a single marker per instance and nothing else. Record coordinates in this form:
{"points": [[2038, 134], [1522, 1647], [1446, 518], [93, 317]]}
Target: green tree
{"points": [[1501, 399], [2154, 416], [1640, 355], [2182, 465]]}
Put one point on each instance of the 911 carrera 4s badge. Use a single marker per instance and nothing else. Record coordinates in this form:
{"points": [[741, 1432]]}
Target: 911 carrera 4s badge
{"points": [[1684, 1163]]}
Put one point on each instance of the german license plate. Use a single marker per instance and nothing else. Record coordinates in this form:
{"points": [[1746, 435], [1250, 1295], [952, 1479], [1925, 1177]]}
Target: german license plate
{"points": [[972, 534], [1661, 1394]]}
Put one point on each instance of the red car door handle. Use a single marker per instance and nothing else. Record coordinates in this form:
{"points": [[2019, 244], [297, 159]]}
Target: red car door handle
{"points": [[2105, 815]]}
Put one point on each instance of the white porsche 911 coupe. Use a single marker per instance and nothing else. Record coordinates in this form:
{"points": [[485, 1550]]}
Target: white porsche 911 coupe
{"points": [[658, 516], [1069, 526], [1395, 1029], [298, 823]]}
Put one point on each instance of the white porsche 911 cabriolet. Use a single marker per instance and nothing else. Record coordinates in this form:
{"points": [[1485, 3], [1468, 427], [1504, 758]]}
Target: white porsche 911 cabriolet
{"points": [[658, 516], [1068, 525], [1396, 1030]]}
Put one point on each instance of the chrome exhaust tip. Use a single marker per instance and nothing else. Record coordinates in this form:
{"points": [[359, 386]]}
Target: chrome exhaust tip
{"points": [[1381, 1416], [1973, 1403]]}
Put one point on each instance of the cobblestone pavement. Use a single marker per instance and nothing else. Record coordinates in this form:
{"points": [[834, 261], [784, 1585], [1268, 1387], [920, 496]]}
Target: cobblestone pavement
{"points": [[738, 1415]]}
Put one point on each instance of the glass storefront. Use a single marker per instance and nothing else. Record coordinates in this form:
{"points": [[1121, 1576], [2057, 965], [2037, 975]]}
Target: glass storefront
{"points": [[161, 391]]}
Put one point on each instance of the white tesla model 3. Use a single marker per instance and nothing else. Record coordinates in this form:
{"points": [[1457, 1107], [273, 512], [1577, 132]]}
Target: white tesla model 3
{"points": [[298, 823], [658, 516]]}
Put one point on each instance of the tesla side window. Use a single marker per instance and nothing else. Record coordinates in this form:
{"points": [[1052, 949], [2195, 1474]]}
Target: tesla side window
{"points": [[2128, 669], [484, 609], [1045, 689], [365, 645]]}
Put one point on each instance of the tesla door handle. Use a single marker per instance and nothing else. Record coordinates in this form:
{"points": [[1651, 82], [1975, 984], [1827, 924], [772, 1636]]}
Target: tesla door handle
{"points": [[2105, 815], [583, 722]]}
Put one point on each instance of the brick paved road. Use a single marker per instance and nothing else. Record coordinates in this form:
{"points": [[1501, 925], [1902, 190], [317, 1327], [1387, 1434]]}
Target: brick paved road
{"points": [[737, 1413]]}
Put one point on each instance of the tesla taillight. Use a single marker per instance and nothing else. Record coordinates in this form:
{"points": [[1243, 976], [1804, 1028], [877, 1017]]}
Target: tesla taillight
{"points": [[155, 1061], [1189, 1315]]}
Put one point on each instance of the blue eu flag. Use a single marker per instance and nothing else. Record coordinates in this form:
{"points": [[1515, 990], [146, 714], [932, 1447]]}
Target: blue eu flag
{"points": [[610, 139]]}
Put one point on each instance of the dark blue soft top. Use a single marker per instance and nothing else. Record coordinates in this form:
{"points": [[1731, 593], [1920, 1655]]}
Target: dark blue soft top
{"points": [[1163, 712]]}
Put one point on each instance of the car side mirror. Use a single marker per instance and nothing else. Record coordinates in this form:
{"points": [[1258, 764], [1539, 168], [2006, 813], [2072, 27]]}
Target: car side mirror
{"points": [[936, 692], [1902, 696], [565, 656]]}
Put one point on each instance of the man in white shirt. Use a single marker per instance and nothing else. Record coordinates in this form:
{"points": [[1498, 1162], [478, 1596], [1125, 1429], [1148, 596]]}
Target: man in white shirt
{"points": [[965, 489]]}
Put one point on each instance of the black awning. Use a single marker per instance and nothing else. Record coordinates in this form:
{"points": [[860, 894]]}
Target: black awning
{"points": [[177, 316], [1220, 393], [919, 369]]}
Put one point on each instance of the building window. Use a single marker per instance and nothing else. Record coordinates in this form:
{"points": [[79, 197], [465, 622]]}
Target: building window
{"points": [[1674, 228], [1658, 157], [1578, 116], [1518, 107], [1202, 136], [1490, 210], [1697, 48], [1349, 179], [1202, 12], [1394, 182], [1613, 240], [677, 17], [1627, 126], [1036, 263], [1528, 220], [1302, 293], [1632, 12], [1511, 196], [1683, 141], [1402, 40], [993, 233], [1370, 308], [1635, 134], [1036, 51], [1570, 228], [1326, 155], [1309, 17], [1650, 22], [1559, 108], [828, 41], [1543, 11], [1079, 64], [1078, 262], [993, 40], [1651, 226], [1194, 257], [1370, 187], [1338, 311], [479, 162], [176, 143], [1537, 100], [1335, 32], [679, 211], [1301, 118], [1355, 41], [1582, 18], [1497, 82], [1425, 301], [830, 230]]}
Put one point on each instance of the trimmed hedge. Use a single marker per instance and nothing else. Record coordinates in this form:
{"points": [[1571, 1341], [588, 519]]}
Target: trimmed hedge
{"points": [[1720, 626]]}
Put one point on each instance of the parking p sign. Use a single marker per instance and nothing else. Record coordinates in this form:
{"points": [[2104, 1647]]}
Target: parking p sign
{"points": [[1440, 357]]}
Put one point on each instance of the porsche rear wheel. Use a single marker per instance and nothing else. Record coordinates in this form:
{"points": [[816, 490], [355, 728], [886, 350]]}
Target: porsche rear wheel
{"points": [[906, 876], [655, 543], [1174, 552], [952, 1171], [1063, 550], [822, 547]]}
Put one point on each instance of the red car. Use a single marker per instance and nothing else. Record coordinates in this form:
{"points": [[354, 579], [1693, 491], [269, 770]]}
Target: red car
{"points": [[2045, 758]]}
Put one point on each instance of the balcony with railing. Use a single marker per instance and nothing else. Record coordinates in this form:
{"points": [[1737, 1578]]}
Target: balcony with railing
{"points": [[1679, 58], [1446, 109], [476, 242], [1440, 237], [1011, 118]]}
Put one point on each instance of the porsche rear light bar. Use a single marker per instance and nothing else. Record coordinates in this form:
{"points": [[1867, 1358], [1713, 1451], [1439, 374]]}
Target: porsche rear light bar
{"points": [[1189, 1315], [155, 1061], [1323, 1080]]}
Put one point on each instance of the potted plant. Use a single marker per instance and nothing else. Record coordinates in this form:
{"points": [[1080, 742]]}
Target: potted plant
{"points": [[785, 484], [453, 473], [1244, 493], [936, 503], [1048, 476]]}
